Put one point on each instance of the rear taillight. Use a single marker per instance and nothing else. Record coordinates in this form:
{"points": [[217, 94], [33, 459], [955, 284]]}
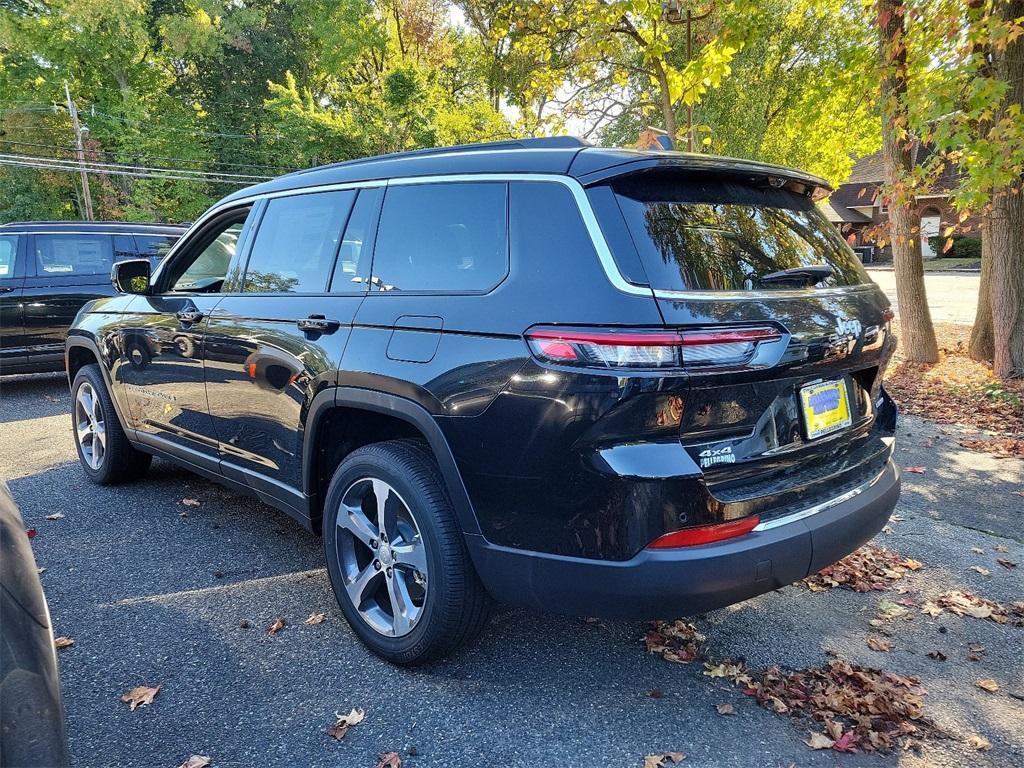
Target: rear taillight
{"points": [[706, 534], [612, 348]]}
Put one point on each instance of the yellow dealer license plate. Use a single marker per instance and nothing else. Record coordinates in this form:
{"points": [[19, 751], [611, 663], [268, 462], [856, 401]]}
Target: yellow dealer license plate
{"points": [[826, 408]]}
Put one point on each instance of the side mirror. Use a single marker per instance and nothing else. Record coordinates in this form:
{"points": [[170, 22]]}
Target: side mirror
{"points": [[131, 276]]}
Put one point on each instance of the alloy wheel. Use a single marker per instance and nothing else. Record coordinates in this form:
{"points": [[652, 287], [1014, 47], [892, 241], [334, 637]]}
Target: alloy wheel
{"points": [[90, 427], [383, 557]]}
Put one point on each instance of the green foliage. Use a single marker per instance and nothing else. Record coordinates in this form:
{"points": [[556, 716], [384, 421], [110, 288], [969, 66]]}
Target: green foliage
{"points": [[963, 247]]}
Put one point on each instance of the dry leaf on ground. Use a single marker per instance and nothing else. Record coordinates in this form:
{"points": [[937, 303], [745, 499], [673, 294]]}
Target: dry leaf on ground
{"points": [[982, 571], [62, 642], [140, 696], [315, 618], [55, 516], [725, 709], [937, 655], [677, 641], [191, 502], [196, 761], [879, 644], [988, 684], [915, 470], [344, 722], [966, 604], [979, 742], [663, 759], [277, 626], [389, 760], [818, 741], [868, 568], [1006, 563]]}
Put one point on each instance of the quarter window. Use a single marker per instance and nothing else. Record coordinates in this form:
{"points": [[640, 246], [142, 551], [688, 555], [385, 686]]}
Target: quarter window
{"points": [[72, 255], [442, 237], [296, 243], [8, 253]]}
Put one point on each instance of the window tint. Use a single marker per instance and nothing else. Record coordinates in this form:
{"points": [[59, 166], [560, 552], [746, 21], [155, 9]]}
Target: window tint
{"points": [[58, 255], [124, 247], [353, 267], [720, 235], [296, 243], [211, 265], [442, 237], [8, 253], [154, 247]]}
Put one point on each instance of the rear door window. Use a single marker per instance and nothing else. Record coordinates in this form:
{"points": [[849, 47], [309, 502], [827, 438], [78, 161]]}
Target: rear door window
{"points": [[8, 254], [154, 247], [73, 255], [699, 234], [296, 243], [450, 237]]}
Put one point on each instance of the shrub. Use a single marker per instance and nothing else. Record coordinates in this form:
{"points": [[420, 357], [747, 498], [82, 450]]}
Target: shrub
{"points": [[964, 247]]}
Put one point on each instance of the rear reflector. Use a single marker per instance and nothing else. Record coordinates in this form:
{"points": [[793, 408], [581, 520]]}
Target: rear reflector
{"points": [[705, 534], [647, 348]]}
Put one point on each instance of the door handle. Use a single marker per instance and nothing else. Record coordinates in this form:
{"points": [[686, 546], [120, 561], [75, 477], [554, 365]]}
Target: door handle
{"points": [[5, 289], [317, 324], [189, 316]]}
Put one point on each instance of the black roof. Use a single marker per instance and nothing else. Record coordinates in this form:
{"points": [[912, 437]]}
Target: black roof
{"points": [[113, 227], [557, 155]]}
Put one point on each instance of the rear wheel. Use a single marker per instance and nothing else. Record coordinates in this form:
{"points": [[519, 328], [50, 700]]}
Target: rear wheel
{"points": [[395, 555], [103, 448]]}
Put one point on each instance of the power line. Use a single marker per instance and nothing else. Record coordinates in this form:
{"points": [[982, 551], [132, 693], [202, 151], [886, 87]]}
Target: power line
{"points": [[108, 152], [28, 161], [100, 166]]}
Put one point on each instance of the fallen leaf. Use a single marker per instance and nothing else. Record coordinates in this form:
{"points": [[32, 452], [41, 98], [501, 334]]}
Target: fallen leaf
{"points": [[62, 642], [196, 761], [663, 759], [818, 741], [343, 722], [55, 516], [879, 644], [1000, 548], [915, 470], [869, 568], [912, 564], [978, 550], [315, 618], [191, 502], [244, 624], [725, 709], [656, 693], [140, 696], [31, 533], [1006, 563], [982, 571], [979, 742], [846, 743], [389, 760], [677, 641], [988, 684], [277, 626], [937, 655]]}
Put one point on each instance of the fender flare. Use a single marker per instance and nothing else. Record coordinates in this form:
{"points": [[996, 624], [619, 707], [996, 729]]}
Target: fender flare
{"points": [[399, 407], [88, 343]]}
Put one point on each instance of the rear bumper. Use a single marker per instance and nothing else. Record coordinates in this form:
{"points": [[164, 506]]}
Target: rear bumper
{"points": [[676, 582]]}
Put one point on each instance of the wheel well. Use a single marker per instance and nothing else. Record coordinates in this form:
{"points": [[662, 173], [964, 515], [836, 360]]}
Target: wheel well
{"points": [[341, 431], [78, 357]]}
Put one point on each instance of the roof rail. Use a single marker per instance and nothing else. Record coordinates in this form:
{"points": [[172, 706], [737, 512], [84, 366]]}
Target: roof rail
{"points": [[543, 142]]}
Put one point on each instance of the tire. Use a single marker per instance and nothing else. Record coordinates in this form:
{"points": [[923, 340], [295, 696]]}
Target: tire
{"points": [[454, 606], [106, 455]]}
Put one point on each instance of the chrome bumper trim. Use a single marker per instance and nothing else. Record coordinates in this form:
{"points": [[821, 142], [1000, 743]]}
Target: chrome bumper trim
{"points": [[767, 525]]}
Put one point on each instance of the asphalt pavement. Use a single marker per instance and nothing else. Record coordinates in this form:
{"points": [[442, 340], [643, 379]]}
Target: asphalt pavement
{"points": [[154, 591]]}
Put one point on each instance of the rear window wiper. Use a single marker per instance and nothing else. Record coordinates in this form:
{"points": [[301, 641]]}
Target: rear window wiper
{"points": [[803, 276]]}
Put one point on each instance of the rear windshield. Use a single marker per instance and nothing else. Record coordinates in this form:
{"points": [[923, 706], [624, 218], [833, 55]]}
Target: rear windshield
{"points": [[699, 234]]}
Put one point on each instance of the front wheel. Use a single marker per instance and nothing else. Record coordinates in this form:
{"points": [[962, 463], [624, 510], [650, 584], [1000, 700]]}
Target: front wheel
{"points": [[396, 557], [103, 448]]}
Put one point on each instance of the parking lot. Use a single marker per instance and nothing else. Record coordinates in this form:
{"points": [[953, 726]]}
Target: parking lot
{"points": [[157, 590]]}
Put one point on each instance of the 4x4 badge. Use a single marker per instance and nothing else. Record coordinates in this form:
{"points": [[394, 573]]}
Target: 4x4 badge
{"points": [[711, 456]]}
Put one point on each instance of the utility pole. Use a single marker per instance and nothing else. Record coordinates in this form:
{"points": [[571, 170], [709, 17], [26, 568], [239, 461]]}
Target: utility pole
{"points": [[79, 153], [673, 15]]}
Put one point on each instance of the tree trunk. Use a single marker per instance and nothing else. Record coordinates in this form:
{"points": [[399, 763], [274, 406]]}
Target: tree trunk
{"points": [[982, 344], [665, 98], [1007, 282], [919, 345]]}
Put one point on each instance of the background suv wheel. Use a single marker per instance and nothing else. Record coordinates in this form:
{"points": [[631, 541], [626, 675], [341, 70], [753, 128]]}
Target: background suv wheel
{"points": [[103, 448], [395, 555]]}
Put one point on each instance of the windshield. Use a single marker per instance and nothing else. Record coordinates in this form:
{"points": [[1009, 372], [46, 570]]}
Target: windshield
{"points": [[718, 235]]}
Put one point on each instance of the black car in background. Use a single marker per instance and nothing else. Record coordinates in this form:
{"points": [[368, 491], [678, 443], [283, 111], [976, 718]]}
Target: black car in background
{"points": [[32, 732], [596, 381], [48, 270]]}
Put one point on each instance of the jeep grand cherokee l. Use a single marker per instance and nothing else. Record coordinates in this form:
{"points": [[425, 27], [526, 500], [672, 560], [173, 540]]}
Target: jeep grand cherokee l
{"points": [[596, 381]]}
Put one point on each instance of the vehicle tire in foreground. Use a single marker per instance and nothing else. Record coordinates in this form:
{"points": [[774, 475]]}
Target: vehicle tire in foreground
{"points": [[396, 557], [103, 448]]}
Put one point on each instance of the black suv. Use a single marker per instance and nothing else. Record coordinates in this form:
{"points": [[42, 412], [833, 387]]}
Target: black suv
{"points": [[49, 269], [596, 381]]}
